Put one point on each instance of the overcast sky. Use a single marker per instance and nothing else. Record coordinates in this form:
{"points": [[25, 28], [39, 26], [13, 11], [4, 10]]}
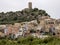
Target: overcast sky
{"points": [[52, 7]]}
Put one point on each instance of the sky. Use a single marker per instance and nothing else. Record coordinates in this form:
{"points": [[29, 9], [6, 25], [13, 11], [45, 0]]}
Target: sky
{"points": [[52, 7]]}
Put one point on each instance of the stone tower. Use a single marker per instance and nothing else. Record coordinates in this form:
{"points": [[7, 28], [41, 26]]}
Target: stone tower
{"points": [[30, 5]]}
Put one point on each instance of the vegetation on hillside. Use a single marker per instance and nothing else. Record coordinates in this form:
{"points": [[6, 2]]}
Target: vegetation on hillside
{"points": [[29, 40], [21, 16]]}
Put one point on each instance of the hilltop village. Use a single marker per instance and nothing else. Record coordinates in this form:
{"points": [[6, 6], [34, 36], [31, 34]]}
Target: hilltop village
{"points": [[43, 26]]}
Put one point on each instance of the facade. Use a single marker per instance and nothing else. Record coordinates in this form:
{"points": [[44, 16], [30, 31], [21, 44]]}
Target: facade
{"points": [[2, 33]]}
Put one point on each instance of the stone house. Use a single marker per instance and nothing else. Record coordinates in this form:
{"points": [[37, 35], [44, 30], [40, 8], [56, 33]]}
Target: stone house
{"points": [[2, 27], [46, 23], [57, 30], [11, 29]]}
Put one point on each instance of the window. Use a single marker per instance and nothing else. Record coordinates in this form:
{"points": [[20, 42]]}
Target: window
{"points": [[51, 22], [2, 30], [32, 31]]}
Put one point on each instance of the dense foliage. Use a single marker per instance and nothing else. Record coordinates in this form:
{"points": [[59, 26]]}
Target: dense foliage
{"points": [[30, 41], [21, 16]]}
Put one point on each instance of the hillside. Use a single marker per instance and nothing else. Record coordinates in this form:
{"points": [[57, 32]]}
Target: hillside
{"points": [[21, 16]]}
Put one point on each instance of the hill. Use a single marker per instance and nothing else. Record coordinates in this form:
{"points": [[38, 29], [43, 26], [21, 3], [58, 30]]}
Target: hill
{"points": [[21, 16]]}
